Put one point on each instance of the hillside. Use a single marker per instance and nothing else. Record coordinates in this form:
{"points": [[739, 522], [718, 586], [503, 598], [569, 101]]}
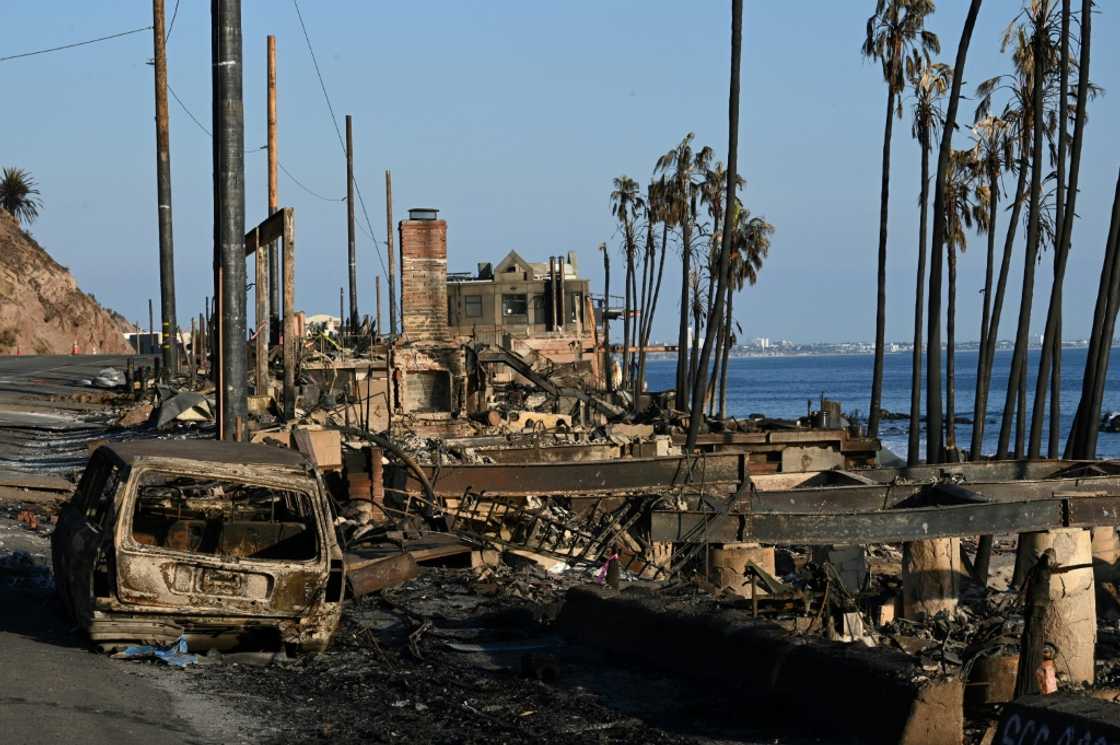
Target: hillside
{"points": [[42, 310]]}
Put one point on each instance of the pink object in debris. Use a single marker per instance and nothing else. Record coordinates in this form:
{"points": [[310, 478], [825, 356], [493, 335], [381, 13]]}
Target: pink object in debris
{"points": [[601, 575]]}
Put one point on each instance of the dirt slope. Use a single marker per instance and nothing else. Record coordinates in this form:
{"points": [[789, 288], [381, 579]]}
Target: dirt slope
{"points": [[42, 311]]}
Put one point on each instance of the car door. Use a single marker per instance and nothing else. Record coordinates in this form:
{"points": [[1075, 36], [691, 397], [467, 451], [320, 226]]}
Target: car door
{"points": [[90, 541]]}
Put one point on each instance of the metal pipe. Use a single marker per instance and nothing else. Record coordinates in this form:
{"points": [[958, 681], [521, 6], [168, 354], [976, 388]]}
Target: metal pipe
{"points": [[169, 346], [229, 167], [351, 238]]}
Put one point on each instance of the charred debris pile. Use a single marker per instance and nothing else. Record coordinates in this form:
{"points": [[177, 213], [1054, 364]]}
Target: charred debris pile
{"points": [[503, 475]]}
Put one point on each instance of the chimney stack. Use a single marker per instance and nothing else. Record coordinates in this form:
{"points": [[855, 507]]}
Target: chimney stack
{"points": [[423, 242]]}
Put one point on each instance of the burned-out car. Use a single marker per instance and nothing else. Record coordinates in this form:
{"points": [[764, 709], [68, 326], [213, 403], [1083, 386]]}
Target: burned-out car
{"points": [[225, 543]]}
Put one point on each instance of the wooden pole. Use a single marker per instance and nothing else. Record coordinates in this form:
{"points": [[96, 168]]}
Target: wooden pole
{"points": [[169, 340], [151, 323], [273, 198], [260, 340], [377, 300], [392, 255], [229, 170], [351, 237], [289, 314]]}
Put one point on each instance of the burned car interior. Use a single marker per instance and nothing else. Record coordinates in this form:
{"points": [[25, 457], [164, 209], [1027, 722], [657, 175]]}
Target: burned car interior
{"points": [[222, 517]]}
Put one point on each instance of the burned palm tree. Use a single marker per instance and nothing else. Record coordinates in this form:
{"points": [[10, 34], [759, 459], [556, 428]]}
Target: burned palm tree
{"points": [[898, 40], [627, 205], [930, 86], [680, 168], [961, 212], [750, 245]]}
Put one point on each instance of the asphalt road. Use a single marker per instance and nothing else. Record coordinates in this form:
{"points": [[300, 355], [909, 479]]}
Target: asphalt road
{"points": [[53, 689]]}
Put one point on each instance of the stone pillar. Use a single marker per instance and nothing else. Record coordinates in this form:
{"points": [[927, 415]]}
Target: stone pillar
{"points": [[931, 572], [1071, 620]]}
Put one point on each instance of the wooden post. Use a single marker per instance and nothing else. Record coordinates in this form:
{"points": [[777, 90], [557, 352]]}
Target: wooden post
{"points": [[273, 198], [341, 312], [169, 345], [261, 339], [351, 237], [377, 300], [151, 323], [391, 254], [555, 324], [289, 314], [1034, 634], [229, 178]]}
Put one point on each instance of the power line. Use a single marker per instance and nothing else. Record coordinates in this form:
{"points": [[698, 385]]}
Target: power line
{"points": [[188, 111], [288, 173], [338, 134], [75, 44], [174, 15]]}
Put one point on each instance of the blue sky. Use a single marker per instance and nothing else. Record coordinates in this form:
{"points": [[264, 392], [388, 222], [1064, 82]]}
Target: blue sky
{"points": [[512, 118]]}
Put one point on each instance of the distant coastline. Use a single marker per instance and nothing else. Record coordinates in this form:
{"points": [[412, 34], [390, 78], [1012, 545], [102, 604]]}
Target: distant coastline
{"points": [[854, 349]]}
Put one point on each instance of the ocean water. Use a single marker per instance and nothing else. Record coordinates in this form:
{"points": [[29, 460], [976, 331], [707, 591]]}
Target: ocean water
{"points": [[780, 386]]}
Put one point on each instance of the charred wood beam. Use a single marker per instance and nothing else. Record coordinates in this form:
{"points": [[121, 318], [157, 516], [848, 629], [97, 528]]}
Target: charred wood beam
{"points": [[720, 473], [889, 526]]}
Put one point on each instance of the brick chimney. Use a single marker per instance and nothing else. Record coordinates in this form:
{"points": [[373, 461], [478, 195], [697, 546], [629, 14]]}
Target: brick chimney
{"points": [[423, 240]]}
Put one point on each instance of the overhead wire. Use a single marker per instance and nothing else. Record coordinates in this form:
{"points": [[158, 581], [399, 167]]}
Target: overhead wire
{"points": [[75, 44], [174, 15], [338, 134], [283, 168]]}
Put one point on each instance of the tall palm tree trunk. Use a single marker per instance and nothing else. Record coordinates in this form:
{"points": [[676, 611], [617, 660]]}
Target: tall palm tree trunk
{"points": [[655, 292], [647, 271], [1082, 441], [716, 312], [1054, 439], [1051, 340], [726, 354], [682, 335], [950, 353], [881, 295], [933, 346], [991, 336], [913, 447], [1016, 379], [976, 443]]}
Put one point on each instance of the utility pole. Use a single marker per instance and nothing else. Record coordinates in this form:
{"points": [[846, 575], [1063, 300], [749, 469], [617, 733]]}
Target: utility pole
{"points": [[392, 257], [229, 208], [273, 198], [169, 344], [341, 312], [351, 239]]}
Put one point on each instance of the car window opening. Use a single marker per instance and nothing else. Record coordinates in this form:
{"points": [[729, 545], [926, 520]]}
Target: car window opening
{"points": [[221, 517]]}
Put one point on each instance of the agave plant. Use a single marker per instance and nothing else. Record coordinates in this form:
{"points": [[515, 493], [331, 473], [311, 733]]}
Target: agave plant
{"points": [[19, 195]]}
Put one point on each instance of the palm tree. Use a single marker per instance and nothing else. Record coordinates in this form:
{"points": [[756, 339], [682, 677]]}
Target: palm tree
{"points": [[626, 206], [679, 168], [715, 313], [712, 192], [937, 243], [929, 87], [1064, 217], [961, 212], [19, 195], [750, 245], [994, 150], [896, 37], [1031, 61], [656, 212]]}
